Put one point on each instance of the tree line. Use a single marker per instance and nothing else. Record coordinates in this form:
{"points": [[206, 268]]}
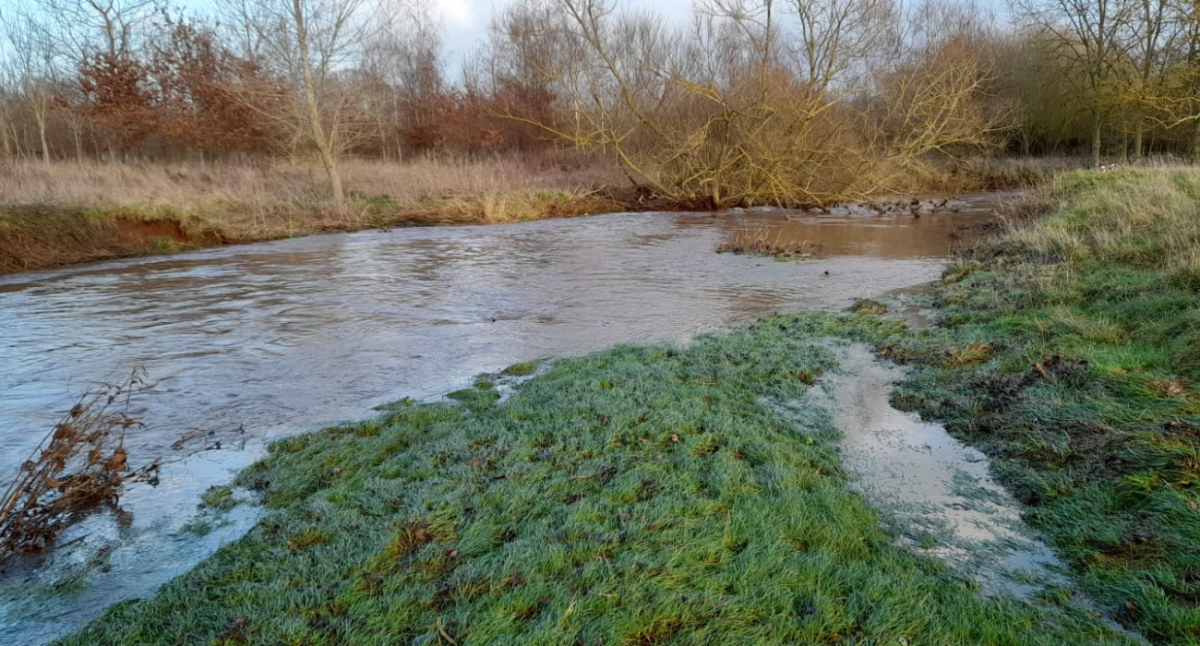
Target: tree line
{"points": [[746, 101]]}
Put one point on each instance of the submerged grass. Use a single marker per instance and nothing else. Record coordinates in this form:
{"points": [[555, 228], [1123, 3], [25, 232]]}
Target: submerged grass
{"points": [[763, 241], [642, 495]]}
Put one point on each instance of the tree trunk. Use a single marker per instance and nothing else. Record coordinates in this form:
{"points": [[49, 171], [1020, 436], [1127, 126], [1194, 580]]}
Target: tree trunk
{"points": [[18, 151], [335, 176], [324, 143], [1196, 141], [1137, 143], [41, 122], [1096, 143], [5, 144]]}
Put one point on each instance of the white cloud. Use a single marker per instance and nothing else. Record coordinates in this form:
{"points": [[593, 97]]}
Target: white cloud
{"points": [[456, 14]]}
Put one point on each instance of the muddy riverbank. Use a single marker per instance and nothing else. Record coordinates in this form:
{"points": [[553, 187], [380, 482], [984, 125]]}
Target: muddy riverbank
{"points": [[41, 236]]}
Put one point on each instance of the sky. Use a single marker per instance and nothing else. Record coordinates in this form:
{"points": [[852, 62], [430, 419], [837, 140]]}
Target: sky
{"points": [[465, 22]]}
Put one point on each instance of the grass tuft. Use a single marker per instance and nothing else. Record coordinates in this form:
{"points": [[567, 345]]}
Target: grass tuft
{"points": [[521, 369], [765, 241], [867, 307]]}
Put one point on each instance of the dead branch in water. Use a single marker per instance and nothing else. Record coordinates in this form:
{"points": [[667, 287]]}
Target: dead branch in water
{"points": [[80, 463], [762, 241]]}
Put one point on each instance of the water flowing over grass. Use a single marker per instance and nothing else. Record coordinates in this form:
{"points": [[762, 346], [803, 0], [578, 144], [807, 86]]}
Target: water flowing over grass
{"points": [[643, 495]]}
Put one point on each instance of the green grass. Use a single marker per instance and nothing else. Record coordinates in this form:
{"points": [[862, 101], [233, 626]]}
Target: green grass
{"points": [[218, 497], [642, 495], [521, 369]]}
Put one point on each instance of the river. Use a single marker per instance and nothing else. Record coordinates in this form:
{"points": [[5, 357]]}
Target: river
{"points": [[249, 343]]}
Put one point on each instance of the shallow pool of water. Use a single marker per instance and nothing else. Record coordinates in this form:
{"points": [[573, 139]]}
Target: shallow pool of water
{"points": [[936, 492], [245, 344]]}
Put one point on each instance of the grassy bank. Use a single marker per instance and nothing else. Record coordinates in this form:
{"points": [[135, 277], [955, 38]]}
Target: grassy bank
{"points": [[642, 495], [70, 213], [1069, 349]]}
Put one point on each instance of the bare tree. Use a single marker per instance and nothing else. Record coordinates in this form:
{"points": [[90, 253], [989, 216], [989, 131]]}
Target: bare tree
{"points": [[313, 44], [84, 28], [759, 100], [402, 70], [1087, 33], [1186, 71], [33, 54], [8, 81], [836, 36]]}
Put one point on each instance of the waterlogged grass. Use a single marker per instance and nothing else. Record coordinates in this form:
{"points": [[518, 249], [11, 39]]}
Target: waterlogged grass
{"points": [[643, 495], [1070, 350]]}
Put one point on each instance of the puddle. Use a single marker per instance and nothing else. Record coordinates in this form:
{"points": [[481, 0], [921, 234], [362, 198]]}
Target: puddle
{"points": [[935, 492]]}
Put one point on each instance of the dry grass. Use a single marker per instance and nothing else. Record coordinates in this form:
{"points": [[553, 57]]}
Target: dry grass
{"points": [[1143, 217], [1016, 172], [766, 241], [68, 213], [196, 189]]}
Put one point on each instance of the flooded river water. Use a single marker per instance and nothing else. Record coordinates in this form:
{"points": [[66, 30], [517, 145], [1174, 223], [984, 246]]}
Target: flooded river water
{"points": [[245, 344]]}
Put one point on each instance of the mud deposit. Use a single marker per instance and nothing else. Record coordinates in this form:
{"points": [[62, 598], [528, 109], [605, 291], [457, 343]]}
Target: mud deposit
{"points": [[246, 344]]}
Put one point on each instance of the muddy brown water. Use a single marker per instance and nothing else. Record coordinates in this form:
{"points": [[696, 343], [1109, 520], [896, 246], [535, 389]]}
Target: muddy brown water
{"points": [[250, 343]]}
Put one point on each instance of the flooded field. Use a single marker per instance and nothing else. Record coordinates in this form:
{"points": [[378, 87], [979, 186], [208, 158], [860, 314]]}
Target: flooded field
{"points": [[246, 344]]}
